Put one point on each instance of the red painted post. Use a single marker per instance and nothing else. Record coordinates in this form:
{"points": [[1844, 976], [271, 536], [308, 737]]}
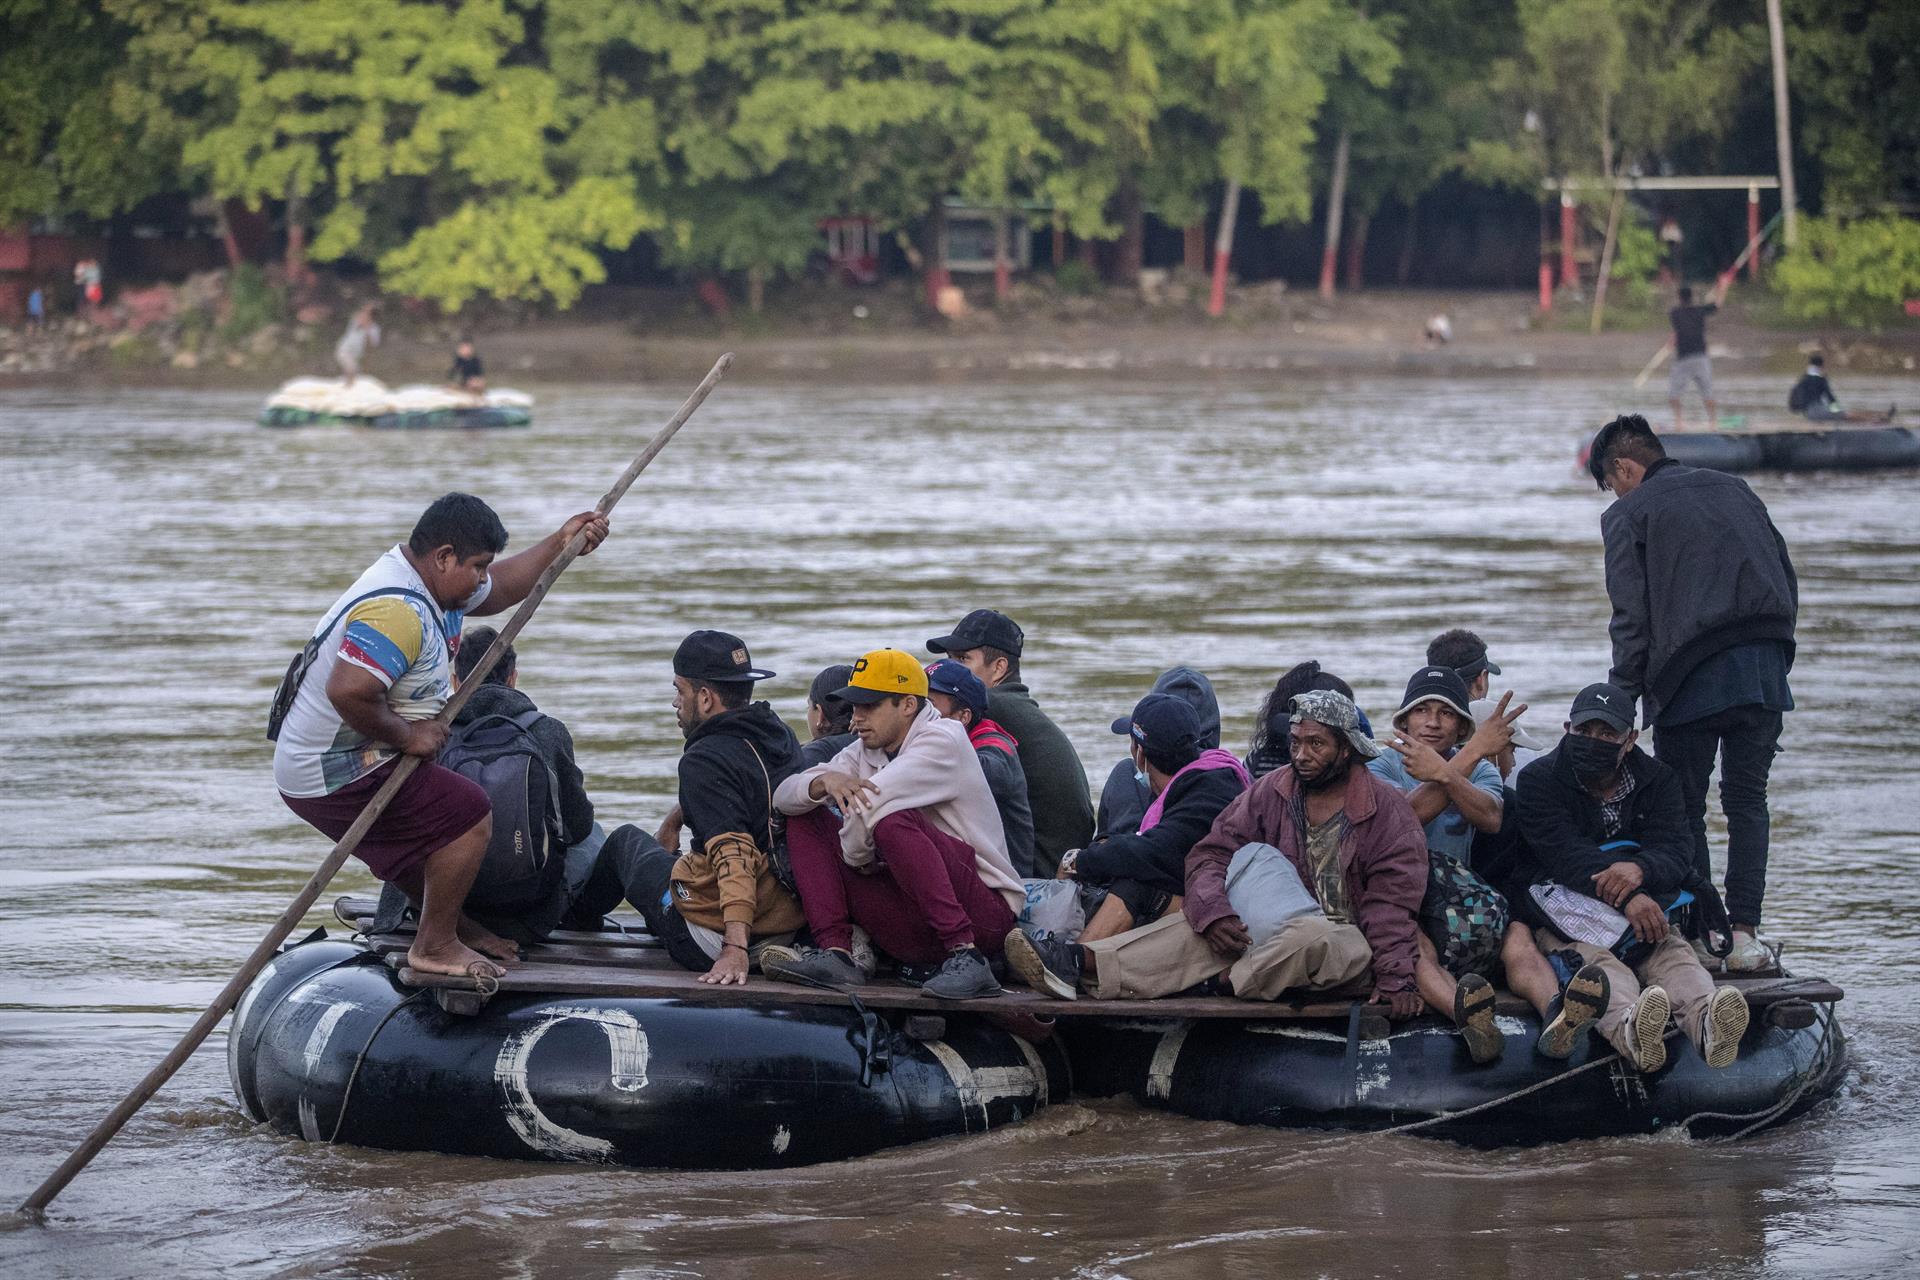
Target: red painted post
{"points": [[1569, 232], [1546, 285], [1753, 232], [1223, 248]]}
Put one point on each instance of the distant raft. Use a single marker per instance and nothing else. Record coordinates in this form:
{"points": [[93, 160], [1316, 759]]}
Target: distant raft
{"points": [[367, 402], [327, 1045], [1793, 446]]}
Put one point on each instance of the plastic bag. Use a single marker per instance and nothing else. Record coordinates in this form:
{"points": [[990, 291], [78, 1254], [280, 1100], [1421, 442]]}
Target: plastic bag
{"points": [[1056, 906], [1265, 891]]}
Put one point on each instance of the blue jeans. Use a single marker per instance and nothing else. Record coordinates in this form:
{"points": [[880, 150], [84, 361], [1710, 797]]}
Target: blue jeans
{"points": [[1745, 739]]}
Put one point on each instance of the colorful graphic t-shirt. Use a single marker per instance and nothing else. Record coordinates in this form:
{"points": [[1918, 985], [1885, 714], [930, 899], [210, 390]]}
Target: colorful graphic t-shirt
{"points": [[405, 643]]}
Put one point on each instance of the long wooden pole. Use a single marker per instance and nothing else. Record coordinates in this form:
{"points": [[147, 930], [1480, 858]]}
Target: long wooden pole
{"points": [[1606, 264], [103, 1133], [1782, 124]]}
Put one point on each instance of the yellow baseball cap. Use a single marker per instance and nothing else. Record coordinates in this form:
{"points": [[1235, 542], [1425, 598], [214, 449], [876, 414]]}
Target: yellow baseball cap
{"points": [[882, 674]]}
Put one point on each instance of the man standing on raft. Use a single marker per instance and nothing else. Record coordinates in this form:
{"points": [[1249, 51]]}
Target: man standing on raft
{"points": [[381, 674]]}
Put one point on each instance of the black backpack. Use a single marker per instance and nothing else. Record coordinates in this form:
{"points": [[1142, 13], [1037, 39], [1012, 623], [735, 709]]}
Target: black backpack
{"points": [[527, 856]]}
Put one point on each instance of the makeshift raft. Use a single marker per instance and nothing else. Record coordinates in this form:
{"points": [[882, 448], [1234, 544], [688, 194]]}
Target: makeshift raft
{"points": [[1793, 446], [367, 402], [595, 1047]]}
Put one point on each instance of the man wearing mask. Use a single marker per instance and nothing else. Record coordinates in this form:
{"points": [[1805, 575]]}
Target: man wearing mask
{"points": [[1606, 828], [722, 897], [957, 694], [1350, 844], [1124, 798]]}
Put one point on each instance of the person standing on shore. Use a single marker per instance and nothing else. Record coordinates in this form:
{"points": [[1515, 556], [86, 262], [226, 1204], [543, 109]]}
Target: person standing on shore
{"points": [[1705, 600], [1690, 360]]}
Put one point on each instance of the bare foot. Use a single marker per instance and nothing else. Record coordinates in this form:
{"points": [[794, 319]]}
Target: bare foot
{"points": [[457, 959], [486, 941]]}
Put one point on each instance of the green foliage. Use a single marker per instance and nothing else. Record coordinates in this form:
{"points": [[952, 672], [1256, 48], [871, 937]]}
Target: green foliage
{"points": [[1076, 278], [1636, 261], [1854, 65], [1853, 273], [252, 302]]}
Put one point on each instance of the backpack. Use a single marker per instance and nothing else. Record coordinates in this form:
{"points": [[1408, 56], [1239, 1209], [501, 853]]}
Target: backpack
{"points": [[526, 857], [310, 653]]}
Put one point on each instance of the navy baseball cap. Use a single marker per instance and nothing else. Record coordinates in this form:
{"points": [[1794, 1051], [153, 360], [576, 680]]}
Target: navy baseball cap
{"points": [[981, 627], [716, 657], [1606, 703], [1164, 725], [953, 679]]}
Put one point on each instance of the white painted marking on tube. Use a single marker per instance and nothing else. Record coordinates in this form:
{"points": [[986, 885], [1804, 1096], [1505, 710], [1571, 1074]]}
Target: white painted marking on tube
{"points": [[628, 1074], [1166, 1055]]}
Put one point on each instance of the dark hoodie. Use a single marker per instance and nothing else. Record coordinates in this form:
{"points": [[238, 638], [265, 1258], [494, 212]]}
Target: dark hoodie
{"points": [[1056, 780], [728, 774], [556, 748], [1124, 800]]}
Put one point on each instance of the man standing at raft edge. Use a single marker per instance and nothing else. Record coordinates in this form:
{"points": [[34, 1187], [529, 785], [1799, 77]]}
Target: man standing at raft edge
{"points": [[988, 644], [383, 672], [1691, 363], [1705, 601]]}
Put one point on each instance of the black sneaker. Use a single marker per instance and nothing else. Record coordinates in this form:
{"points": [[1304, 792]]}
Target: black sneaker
{"points": [[964, 976], [811, 966], [1045, 963]]}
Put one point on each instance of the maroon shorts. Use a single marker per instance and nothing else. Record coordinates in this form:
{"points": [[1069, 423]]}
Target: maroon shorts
{"points": [[434, 807]]}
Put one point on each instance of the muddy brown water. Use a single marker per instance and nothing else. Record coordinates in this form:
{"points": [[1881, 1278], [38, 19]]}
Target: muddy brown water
{"points": [[166, 555]]}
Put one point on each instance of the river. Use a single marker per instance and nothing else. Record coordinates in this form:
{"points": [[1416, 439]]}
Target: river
{"points": [[169, 555]]}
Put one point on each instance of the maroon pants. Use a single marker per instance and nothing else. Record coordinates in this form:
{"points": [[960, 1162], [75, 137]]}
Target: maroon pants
{"points": [[924, 899]]}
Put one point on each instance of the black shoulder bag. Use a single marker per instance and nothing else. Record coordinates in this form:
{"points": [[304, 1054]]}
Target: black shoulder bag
{"points": [[302, 661]]}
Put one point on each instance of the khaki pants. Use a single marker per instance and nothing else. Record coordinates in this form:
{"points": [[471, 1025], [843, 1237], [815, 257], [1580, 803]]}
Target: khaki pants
{"points": [[1673, 967], [1309, 954]]}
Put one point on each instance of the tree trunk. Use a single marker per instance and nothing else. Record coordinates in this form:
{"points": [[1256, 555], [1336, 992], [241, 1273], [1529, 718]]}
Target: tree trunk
{"points": [[1357, 250], [1223, 248], [1130, 249], [224, 224], [1193, 248], [756, 289], [1606, 263], [297, 273], [1002, 258], [933, 251], [1404, 272], [1059, 240], [1336, 202]]}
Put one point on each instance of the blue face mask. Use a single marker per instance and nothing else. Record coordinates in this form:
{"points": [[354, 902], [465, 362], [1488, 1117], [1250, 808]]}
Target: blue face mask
{"points": [[1139, 776]]}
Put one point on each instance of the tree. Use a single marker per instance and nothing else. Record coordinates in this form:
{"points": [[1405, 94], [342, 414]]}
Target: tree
{"points": [[1853, 65], [1856, 273]]}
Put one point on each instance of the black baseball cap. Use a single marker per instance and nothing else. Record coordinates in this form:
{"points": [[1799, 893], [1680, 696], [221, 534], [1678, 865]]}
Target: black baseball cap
{"points": [[1606, 703], [981, 627], [829, 683], [717, 657], [1163, 724]]}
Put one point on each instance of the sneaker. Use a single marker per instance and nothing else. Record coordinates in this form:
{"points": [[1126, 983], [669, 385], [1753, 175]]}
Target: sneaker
{"points": [[1584, 1000], [1703, 952], [1473, 1013], [1721, 1029], [1749, 954], [863, 954], [914, 975], [1646, 1029], [1045, 963], [965, 976], [811, 966]]}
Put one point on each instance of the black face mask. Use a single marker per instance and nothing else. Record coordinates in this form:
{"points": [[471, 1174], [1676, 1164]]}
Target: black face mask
{"points": [[1594, 760]]}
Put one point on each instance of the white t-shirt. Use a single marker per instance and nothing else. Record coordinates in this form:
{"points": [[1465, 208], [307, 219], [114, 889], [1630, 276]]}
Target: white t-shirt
{"points": [[409, 648]]}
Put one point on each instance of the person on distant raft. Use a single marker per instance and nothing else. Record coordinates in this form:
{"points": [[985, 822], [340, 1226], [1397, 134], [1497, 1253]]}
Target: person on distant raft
{"points": [[363, 331], [467, 374], [988, 644], [384, 670], [1690, 361], [1813, 399]]}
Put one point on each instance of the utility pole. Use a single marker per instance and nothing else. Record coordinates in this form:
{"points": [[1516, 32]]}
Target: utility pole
{"points": [[1783, 134]]}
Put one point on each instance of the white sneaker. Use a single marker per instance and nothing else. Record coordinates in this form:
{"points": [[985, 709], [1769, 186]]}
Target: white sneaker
{"points": [[1749, 954], [1703, 952], [1721, 1029], [863, 953], [1646, 1028]]}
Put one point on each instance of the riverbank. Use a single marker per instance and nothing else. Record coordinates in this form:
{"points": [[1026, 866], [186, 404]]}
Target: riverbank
{"points": [[826, 332]]}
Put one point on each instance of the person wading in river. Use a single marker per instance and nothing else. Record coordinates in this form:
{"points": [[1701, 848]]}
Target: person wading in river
{"points": [[989, 644], [1705, 602], [384, 670], [1606, 829], [899, 835]]}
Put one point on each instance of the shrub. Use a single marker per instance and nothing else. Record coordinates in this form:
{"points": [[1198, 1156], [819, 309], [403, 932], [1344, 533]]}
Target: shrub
{"points": [[253, 302], [1076, 277], [1851, 273]]}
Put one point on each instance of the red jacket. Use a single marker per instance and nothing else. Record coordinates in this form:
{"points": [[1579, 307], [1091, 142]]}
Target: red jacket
{"points": [[1384, 856]]}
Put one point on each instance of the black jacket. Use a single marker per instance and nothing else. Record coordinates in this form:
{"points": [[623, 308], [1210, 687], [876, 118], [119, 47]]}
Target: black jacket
{"points": [[729, 771], [821, 750], [1124, 800], [1158, 858], [556, 748], [1694, 566], [1056, 780], [1560, 820]]}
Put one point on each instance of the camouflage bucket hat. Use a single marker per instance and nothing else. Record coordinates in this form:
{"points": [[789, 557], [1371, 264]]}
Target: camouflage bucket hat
{"points": [[1337, 712]]}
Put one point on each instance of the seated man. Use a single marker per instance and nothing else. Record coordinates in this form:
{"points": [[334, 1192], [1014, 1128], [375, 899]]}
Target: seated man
{"points": [[1144, 872], [957, 694], [1812, 397], [1124, 798], [1349, 843], [722, 897], [989, 644], [1441, 760], [467, 374], [545, 843], [381, 672], [899, 835], [829, 720], [1606, 821]]}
